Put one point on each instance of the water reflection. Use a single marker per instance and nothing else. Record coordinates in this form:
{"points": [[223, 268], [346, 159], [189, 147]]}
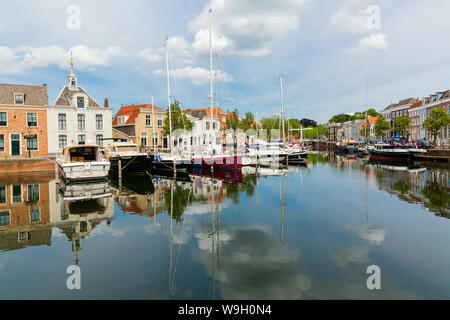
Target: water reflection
{"points": [[263, 233]]}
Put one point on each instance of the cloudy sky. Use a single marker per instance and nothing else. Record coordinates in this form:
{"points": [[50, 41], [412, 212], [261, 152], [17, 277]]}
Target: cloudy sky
{"points": [[327, 51]]}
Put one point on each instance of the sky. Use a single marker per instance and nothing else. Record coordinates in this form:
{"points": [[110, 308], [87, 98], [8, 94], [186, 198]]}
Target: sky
{"points": [[328, 51]]}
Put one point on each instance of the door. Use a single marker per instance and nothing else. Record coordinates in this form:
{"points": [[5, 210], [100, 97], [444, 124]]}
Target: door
{"points": [[15, 145]]}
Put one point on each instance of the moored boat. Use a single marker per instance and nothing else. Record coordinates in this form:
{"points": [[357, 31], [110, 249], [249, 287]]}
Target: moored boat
{"points": [[387, 152], [131, 158], [84, 162]]}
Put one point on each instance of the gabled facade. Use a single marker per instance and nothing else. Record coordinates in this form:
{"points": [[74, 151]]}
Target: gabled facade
{"points": [[23, 121], [218, 115], [397, 110], [371, 126], [76, 118], [140, 124]]}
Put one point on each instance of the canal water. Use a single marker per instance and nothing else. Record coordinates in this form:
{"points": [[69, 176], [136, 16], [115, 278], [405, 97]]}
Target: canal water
{"points": [[297, 233]]}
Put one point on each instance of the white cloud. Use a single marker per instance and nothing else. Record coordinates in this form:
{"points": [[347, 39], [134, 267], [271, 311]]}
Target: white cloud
{"points": [[17, 60], [342, 20], [197, 75], [374, 42], [148, 55], [241, 27]]}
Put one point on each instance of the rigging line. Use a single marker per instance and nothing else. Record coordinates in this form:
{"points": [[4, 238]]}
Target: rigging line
{"points": [[227, 95]]}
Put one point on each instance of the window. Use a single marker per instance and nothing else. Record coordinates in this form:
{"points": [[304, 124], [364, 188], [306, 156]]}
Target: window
{"points": [[207, 125], [80, 102], [64, 215], [62, 141], [148, 120], [143, 139], [62, 124], [160, 121], [32, 119], [3, 119], [35, 215], [81, 122], [18, 98], [32, 143], [99, 139], [155, 139], [99, 122], [33, 193], [17, 193], [82, 139], [2, 143], [23, 236], [2, 194], [122, 119], [4, 218], [214, 126]]}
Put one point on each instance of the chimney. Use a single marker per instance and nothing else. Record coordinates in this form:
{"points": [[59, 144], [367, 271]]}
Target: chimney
{"points": [[106, 103]]}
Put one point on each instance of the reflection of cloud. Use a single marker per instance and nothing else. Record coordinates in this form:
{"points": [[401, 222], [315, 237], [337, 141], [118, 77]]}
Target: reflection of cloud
{"points": [[374, 234], [254, 265], [345, 257]]}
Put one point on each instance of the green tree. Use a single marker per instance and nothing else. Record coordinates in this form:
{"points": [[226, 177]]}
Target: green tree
{"points": [[340, 118], [247, 122], [182, 197], [438, 119], [401, 125], [233, 120], [179, 119], [381, 126]]}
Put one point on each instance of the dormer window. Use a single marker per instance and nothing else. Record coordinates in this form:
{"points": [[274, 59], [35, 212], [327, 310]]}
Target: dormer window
{"points": [[19, 98], [80, 102], [122, 119]]}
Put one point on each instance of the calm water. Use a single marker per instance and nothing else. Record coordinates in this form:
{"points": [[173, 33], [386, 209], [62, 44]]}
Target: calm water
{"points": [[303, 233]]}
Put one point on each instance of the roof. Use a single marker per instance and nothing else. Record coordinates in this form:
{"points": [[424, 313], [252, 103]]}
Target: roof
{"points": [[372, 120], [33, 95], [201, 112], [416, 104], [132, 112], [66, 93], [403, 102]]}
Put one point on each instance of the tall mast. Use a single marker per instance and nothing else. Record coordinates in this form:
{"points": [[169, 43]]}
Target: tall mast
{"points": [[367, 119], [153, 127], [215, 78], [211, 93], [168, 94], [282, 108]]}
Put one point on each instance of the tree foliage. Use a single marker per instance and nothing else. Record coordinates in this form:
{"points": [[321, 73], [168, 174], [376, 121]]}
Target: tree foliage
{"points": [[381, 126], [438, 119], [179, 119], [401, 125]]}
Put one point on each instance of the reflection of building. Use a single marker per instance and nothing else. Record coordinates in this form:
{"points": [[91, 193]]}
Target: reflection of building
{"points": [[416, 185], [25, 213], [76, 210], [149, 204]]}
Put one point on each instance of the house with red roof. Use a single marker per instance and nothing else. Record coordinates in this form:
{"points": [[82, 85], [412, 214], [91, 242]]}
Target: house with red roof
{"points": [[372, 121], [218, 114], [139, 124]]}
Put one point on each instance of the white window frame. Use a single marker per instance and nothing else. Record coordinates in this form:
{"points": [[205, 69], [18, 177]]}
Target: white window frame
{"points": [[37, 120], [19, 94]]}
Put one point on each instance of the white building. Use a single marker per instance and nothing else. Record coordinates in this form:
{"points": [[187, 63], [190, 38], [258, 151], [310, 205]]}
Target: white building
{"points": [[76, 118], [202, 135]]}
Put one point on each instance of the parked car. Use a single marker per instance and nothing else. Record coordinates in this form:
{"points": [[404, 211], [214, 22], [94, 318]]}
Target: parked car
{"points": [[423, 144]]}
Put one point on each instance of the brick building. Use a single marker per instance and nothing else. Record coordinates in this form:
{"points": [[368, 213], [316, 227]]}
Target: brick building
{"points": [[23, 120]]}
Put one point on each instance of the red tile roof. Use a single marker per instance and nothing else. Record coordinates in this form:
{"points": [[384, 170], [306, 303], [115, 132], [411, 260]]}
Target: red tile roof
{"points": [[216, 111], [372, 120], [132, 112]]}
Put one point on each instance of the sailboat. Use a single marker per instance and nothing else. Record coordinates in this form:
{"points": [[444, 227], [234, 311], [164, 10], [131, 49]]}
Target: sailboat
{"points": [[209, 158], [170, 161]]}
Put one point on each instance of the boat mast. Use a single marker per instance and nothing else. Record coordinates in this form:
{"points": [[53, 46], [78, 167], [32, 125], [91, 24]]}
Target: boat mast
{"points": [[367, 119], [211, 93], [153, 128], [282, 108], [168, 94]]}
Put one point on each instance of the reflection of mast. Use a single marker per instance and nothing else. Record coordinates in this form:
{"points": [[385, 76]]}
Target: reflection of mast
{"points": [[366, 199], [212, 242], [171, 239], [282, 208]]}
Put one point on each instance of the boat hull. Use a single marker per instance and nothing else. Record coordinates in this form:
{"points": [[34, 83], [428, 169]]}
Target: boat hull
{"points": [[131, 164], [389, 156], [84, 171], [223, 163]]}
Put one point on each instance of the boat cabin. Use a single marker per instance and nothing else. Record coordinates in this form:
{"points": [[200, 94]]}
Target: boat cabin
{"points": [[84, 153]]}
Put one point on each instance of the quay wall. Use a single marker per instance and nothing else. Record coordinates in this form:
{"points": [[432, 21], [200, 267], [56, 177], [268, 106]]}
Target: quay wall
{"points": [[26, 165]]}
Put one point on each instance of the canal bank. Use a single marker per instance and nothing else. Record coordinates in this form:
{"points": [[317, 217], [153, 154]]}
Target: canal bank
{"points": [[23, 164]]}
